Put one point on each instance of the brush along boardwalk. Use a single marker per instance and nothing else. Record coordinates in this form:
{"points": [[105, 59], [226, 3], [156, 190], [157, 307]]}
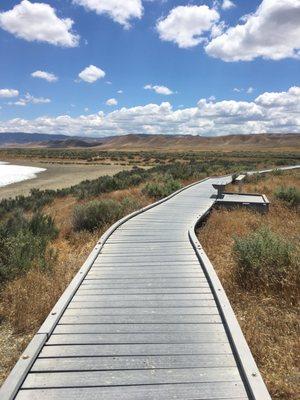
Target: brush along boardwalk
{"points": [[145, 318]]}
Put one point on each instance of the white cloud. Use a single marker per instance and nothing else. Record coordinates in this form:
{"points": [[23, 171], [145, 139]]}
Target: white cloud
{"points": [[272, 32], [91, 74], [280, 99], [269, 112], [121, 11], [217, 29], [239, 90], [227, 4], [120, 91], [111, 102], [48, 76], [38, 22], [185, 25], [9, 93], [159, 89], [29, 99]]}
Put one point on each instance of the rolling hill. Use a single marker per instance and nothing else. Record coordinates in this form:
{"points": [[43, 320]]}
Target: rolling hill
{"points": [[198, 143], [142, 142]]}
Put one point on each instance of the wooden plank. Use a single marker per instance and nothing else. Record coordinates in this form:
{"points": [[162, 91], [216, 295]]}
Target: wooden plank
{"points": [[139, 304], [138, 338], [133, 350], [164, 267], [135, 377], [99, 275], [163, 252], [134, 362], [111, 248], [135, 328], [148, 240], [139, 311], [96, 294], [141, 319], [158, 262], [146, 281], [132, 258], [157, 283], [193, 391], [145, 293], [157, 272]]}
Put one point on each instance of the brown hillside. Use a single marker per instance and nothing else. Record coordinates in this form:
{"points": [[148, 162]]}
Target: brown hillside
{"points": [[198, 143]]}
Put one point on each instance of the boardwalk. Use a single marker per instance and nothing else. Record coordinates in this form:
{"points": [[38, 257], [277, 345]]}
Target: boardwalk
{"points": [[146, 318]]}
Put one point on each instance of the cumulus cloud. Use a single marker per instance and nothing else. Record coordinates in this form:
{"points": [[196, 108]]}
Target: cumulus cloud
{"points": [[38, 22], [48, 76], [91, 74], [9, 93], [29, 99], [280, 99], [121, 11], [159, 89], [111, 102], [227, 4], [269, 112], [272, 32], [185, 25]]}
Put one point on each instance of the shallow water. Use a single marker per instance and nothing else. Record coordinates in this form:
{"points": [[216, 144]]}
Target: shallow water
{"points": [[16, 173]]}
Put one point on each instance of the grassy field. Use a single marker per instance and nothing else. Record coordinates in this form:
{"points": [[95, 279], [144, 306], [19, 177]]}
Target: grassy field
{"points": [[257, 258], [212, 158], [46, 236]]}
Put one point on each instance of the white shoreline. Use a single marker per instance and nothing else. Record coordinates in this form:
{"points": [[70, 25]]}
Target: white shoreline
{"points": [[10, 173]]}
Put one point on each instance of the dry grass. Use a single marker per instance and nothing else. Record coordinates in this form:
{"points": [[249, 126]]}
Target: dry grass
{"points": [[26, 301], [268, 319]]}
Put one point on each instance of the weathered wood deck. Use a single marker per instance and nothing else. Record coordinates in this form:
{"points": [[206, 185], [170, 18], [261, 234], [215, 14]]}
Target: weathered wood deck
{"points": [[145, 318]]}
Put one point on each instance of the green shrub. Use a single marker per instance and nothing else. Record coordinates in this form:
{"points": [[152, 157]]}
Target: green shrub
{"points": [[95, 214], [161, 187], [129, 205], [24, 244], [290, 195], [43, 225], [263, 258], [98, 213]]}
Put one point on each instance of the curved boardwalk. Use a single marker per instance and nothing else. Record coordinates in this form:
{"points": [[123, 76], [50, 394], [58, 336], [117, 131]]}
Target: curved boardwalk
{"points": [[146, 322]]}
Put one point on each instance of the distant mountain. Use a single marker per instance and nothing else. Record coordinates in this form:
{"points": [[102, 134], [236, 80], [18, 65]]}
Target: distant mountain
{"points": [[22, 138], [67, 143], [145, 142], [198, 143]]}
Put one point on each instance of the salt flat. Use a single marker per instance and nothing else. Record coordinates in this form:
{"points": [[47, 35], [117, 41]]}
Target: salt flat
{"points": [[52, 176], [10, 173]]}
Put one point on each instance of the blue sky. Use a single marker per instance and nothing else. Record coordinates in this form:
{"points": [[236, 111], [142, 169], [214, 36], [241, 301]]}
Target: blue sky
{"points": [[181, 45]]}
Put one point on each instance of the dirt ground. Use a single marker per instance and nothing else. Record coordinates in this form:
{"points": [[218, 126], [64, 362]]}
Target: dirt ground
{"points": [[57, 176]]}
